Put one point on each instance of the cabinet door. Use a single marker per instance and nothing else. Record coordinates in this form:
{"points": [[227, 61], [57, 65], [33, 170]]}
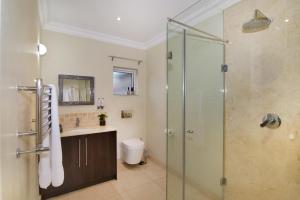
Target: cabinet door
{"points": [[72, 163], [100, 157]]}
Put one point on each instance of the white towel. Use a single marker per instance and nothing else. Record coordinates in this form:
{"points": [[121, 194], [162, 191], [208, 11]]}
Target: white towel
{"points": [[44, 165], [50, 166], [57, 170], [66, 94]]}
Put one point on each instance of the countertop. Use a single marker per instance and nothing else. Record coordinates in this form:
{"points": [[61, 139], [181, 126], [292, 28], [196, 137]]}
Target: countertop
{"points": [[87, 130]]}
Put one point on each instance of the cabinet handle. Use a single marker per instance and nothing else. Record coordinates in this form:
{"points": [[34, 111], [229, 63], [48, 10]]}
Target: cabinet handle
{"points": [[86, 154], [79, 144]]}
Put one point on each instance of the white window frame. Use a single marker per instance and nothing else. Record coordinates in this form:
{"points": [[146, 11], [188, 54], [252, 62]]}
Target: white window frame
{"points": [[133, 72]]}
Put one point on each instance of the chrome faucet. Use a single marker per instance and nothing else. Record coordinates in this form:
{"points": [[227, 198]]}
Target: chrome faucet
{"points": [[77, 122]]}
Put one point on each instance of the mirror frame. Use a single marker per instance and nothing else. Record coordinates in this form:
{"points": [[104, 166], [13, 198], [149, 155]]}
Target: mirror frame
{"points": [[62, 77]]}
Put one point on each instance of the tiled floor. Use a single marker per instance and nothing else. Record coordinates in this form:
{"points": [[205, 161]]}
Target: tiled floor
{"points": [[141, 182]]}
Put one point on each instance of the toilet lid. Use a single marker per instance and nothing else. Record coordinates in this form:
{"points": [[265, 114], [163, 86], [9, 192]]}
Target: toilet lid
{"points": [[133, 143]]}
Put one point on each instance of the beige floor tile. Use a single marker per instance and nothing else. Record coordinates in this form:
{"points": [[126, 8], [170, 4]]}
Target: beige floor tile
{"points": [[148, 191], [69, 196], [101, 191], [125, 196], [161, 182], [155, 172], [129, 180], [193, 193], [120, 166], [104, 191], [139, 182]]}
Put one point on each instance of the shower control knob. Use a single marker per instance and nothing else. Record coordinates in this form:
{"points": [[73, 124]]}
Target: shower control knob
{"points": [[271, 120]]}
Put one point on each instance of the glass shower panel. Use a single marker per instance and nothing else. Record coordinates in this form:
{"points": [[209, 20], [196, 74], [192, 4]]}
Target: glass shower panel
{"points": [[204, 108], [175, 136]]}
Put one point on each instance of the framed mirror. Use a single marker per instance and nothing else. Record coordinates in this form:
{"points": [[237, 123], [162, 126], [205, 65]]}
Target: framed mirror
{"points": [[76, 90]]}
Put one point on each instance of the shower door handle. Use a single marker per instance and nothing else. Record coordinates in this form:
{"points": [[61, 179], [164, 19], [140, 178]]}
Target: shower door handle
{"points": [[190, 131], [170, 132]]}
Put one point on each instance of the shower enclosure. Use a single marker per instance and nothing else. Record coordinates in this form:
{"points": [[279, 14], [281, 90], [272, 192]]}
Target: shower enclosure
{"points": [[195, 111], [259, 154]]}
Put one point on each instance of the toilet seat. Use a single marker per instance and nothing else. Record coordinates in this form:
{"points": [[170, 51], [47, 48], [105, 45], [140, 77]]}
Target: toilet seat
{"points": [[133, 143]]}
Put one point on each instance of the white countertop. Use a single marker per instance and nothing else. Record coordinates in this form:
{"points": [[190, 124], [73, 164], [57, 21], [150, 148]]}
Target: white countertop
{"points": [[86, 131]]}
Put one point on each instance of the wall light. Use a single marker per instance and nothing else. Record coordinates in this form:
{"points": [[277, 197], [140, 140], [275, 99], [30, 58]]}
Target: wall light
{"points": [[42, 49]]}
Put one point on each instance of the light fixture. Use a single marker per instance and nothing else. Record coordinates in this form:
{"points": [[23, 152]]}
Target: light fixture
{"points": [[42, 49], [287, 20], [118, 18]]}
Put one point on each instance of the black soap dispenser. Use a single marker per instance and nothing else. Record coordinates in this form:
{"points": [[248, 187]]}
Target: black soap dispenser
{"points": [[128, 91]]}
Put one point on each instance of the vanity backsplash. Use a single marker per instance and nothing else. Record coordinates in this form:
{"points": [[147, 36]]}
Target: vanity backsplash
{"points": [[68, 120]]}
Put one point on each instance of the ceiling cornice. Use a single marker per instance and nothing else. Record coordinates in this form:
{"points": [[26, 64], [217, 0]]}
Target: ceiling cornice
{"points": [[208, 9], [75, 31]]}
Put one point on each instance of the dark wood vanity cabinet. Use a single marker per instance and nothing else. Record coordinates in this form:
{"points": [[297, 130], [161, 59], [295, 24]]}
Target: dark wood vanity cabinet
{"points": [[87, 160], [100, 159]]}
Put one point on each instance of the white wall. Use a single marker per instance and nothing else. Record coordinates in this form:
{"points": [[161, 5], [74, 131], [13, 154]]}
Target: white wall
{"points": [[80, 56], [156, 102], [19, 66]]}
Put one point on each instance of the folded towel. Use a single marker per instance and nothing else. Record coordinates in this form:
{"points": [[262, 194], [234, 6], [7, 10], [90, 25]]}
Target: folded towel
{"points": [[57, 170]]}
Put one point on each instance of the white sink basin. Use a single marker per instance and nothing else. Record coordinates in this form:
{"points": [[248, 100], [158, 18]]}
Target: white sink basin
{"points": [[80, 130]]}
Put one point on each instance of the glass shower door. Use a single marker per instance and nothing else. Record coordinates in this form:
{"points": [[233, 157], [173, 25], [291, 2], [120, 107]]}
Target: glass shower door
{"points": [[204, 113], [195, 116], [175, 117]]}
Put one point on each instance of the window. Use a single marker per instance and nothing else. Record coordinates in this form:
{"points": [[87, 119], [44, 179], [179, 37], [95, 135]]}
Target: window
{"points": [[124, 81]]}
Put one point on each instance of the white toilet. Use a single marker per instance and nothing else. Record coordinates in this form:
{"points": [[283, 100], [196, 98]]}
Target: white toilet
{"points": [[132, 151]]}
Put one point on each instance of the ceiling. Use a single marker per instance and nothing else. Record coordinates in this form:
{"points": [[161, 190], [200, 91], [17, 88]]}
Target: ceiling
{"points": [[142, 24]]}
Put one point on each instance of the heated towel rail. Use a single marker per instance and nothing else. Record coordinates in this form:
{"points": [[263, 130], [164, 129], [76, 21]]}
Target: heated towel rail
{"points": [[43, 117]]}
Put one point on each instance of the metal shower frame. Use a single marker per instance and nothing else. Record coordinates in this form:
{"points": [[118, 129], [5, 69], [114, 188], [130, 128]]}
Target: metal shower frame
{"points": [[224, 68]]}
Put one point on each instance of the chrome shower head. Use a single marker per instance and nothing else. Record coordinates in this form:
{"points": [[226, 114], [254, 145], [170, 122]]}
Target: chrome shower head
{"points": [[259, 23]]}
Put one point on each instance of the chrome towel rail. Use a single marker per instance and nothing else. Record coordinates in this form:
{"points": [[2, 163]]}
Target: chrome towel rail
{"points": [[36, 151], [26, 88], [42, 113], [28, 133], [46, 123]]}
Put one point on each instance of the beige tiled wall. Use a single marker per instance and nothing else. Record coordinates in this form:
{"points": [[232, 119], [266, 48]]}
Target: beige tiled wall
{"points": [[88, 119], [264, 76]]}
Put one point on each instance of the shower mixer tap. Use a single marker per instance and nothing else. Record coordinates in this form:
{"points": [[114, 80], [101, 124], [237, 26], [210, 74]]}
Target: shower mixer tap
{"points": [[271, 121]]}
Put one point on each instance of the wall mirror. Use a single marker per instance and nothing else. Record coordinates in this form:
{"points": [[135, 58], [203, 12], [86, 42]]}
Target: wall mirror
{"points": [[76, 90]]}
